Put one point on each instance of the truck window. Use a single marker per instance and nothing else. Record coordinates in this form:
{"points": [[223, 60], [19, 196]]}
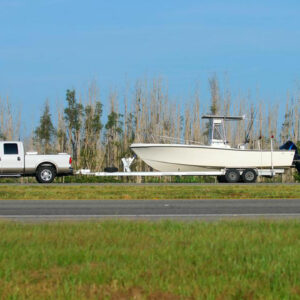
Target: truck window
{"points": [[10, 149]]}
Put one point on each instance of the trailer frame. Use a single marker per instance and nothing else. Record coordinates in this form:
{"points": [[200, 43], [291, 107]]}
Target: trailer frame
{"points": [[260, 172], [127, 172]]}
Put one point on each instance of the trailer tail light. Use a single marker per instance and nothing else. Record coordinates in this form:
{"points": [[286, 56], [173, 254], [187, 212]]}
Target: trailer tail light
{"points": [[70, 160]]}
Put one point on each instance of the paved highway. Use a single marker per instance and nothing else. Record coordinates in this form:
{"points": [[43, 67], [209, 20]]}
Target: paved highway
{"points": [[148, 209]]}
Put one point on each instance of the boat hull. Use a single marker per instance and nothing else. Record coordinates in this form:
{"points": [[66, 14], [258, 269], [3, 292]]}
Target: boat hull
{"points": [[189, 158]]}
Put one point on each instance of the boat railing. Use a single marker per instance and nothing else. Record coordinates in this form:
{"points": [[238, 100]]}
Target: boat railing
{"points": [[160, 138]]}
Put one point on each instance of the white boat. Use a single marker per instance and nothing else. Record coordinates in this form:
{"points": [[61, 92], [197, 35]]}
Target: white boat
{"points": [[217, 155]]}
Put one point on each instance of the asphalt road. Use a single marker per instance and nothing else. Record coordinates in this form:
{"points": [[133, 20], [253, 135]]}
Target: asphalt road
{"points": [[35, 210]]}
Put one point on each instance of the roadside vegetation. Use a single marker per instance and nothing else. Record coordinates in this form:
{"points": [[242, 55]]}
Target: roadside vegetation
{"points": [[144, 260], [127, 192], [98, 136]]}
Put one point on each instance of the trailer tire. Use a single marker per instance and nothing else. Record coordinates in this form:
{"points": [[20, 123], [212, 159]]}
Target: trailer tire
{"points": [[45, 174], [221, 179], [232, 176], [249, 176], [111, 169]]}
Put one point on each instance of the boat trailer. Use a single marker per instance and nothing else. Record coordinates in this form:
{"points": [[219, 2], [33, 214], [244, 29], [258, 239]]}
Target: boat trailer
{"points": [[221, 174]]}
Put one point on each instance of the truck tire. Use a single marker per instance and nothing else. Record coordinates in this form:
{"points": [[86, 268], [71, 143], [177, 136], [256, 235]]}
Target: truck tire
{"points": [[249, 176], [232, 176], [45, 174]]}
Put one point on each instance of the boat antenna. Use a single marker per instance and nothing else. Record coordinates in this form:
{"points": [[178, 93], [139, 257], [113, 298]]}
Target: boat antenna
{"points": [[250, 126]]}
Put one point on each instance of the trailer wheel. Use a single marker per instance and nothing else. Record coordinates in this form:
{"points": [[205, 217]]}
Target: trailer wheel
{"points": [[232, 176], [45, 174], [249, 176], [111, 169], [221, 179]]}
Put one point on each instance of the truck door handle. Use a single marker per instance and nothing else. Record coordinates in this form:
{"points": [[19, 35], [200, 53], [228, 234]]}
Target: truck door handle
{"points": [[19, 158]]}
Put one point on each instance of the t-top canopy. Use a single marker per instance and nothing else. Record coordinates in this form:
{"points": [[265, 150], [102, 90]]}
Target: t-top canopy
{"points": [[225, 118]]}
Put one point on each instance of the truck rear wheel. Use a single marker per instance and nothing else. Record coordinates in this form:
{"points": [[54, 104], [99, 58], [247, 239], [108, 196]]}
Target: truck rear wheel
{"points": [[45, 174]]}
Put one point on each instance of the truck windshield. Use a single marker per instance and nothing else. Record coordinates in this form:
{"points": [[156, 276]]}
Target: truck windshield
{"points": [[10, 149]]}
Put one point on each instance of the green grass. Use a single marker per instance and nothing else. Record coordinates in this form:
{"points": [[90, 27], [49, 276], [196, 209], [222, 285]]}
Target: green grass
{"points": [[144, 260], [221, 191]]}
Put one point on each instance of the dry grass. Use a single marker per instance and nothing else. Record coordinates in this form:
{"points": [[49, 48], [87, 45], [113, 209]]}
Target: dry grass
{"points": [[143, 260]]}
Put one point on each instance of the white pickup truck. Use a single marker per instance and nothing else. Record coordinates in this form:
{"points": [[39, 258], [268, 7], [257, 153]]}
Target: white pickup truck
{"points": [[15, 163]]}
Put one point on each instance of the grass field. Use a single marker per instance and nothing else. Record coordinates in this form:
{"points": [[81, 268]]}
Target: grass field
{"points": [[65, 192], [144, 260]]}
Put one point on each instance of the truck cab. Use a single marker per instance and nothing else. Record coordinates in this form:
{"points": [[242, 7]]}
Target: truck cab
{"points": [[12, 158]]}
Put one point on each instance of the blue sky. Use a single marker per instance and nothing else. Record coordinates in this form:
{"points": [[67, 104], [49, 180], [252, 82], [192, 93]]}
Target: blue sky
{"points": [[48, 46]]}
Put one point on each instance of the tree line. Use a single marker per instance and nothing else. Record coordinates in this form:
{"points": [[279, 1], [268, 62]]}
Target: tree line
{"points": [[147, 114]]}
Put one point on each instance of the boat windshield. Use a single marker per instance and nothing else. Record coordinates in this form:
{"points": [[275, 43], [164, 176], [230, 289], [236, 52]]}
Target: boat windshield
{"points": [[218, 132]]}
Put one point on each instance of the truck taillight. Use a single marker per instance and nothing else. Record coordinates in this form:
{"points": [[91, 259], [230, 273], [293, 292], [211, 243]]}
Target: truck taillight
{"points": [[70, 160]]}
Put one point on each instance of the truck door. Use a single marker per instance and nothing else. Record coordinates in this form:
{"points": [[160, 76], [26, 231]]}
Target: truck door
{"points": [[12, 158]]}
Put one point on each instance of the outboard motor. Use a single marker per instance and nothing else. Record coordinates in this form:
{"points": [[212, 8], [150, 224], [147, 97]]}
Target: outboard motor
{"points": [[289, 145]]}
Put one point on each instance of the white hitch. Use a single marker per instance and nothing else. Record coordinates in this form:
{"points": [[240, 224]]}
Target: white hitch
{"points": [[83, 172]]}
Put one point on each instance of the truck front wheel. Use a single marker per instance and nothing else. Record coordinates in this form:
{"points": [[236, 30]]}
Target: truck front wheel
{"points": [[45, 174]]}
